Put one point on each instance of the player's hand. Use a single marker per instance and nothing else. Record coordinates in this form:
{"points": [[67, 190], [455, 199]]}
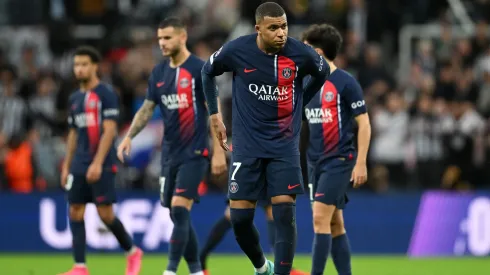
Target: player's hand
{"points": [[219, 130], [359, 175], [93, 173], [124, 149], [64, 176], [218, 164]]}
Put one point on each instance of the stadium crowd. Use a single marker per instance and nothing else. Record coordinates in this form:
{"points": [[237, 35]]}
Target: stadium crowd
{"points": [[430, 129]]}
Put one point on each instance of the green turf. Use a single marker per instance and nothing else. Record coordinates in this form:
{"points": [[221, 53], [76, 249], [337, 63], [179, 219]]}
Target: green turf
{"points": [[48, 264]]}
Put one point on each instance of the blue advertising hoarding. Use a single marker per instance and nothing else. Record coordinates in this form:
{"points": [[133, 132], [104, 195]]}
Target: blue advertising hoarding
{"points": [[432, 224]]}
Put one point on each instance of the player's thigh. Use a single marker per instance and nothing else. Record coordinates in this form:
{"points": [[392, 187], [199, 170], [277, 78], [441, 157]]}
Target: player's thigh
{"points": [[333, 182], [246, 179], [167, 184], [104, 190], [284, 176], [189, 175], [78, 190]]}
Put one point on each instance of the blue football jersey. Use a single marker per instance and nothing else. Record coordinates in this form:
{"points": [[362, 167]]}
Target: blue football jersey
{"points": [[331, 117], [178, 93], [267, 93], [88, 110]]}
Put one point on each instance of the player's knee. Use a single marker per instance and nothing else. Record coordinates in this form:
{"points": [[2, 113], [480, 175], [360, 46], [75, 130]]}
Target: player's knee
{"points": [[322, 217], [240, 217], [283, 199], [180, 215], [77, 211], [283, 213], [106, 213], [178, 201], [337, 228]]}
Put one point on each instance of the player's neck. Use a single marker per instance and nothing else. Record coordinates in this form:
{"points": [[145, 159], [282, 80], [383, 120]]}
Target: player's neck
{"points": [[89, 85], [180, 58], [264, 48], [331, 65]]}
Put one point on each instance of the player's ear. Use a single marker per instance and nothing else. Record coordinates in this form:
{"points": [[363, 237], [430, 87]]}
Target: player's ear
{"points": [[257, 28]]}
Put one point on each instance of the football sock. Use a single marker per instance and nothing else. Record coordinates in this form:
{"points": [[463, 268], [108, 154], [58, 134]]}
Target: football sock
{"points": [[191, 253], [122, 236], [217, 233], [271, 232], [247, 235], [341, 254], [79, 241], [321, 247], [285, 221], [179, 238]]}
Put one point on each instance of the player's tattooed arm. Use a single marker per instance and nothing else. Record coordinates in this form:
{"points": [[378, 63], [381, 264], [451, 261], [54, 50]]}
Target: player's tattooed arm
{"points": [[141, 118]]}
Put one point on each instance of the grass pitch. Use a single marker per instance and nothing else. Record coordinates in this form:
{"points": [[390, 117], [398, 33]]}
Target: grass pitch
{"points": [[114, 264]]}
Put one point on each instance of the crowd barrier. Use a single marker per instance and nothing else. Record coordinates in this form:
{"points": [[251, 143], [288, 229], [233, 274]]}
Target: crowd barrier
{"points": [[429, 224]]}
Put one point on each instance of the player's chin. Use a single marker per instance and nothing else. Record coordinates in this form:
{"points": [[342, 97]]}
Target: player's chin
{"points": [[280, 44]]}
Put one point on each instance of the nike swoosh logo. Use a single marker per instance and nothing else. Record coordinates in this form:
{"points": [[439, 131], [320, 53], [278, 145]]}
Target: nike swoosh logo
{"points": [[249, 70], [179, 190], [293, 186], [285, 263], [160, 84], [319, 195]]}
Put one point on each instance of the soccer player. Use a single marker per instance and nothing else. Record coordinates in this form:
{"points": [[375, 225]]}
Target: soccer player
{"points": [[175, 86], [268, 68], [333, 163], [88, 172]]}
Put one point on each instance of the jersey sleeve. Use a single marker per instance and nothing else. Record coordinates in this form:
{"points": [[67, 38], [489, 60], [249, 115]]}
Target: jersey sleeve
{"points": [[71, 115], [316, 66], [110, 106], [354, 99], [151, 89], [219, 62]]}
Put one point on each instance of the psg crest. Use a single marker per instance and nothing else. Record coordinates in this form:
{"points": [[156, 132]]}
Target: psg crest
{"points": [[287, 72], [184, 83], [233, 187], [329, 96]]}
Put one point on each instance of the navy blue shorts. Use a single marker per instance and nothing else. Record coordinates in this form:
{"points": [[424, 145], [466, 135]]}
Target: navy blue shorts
{"points": [[329, 181], [257, 179], [102, 192], [182, 180]]}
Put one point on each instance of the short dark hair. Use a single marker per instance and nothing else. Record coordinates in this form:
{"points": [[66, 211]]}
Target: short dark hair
{"points": [[171, 22], [92, 52], [269, 9], [325, 37]]}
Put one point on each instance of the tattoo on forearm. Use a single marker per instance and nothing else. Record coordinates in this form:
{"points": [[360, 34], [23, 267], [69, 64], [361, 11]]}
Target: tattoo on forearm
{"points": [[141, 118]]}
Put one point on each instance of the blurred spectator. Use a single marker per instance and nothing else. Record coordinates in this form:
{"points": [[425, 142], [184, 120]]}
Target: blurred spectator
{"points": [[462, 129], [390, 128]]}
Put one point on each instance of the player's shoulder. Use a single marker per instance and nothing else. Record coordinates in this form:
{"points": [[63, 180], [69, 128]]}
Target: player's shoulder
{"points": [[75, 95], [159, 68], [104, 88], [237, 45], [342, 80], [194, 64], [297, 46]]}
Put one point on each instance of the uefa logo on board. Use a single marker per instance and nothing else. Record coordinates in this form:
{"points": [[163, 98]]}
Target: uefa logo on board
{"points": [[286, 73], [329, 96], [184, 83]]}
